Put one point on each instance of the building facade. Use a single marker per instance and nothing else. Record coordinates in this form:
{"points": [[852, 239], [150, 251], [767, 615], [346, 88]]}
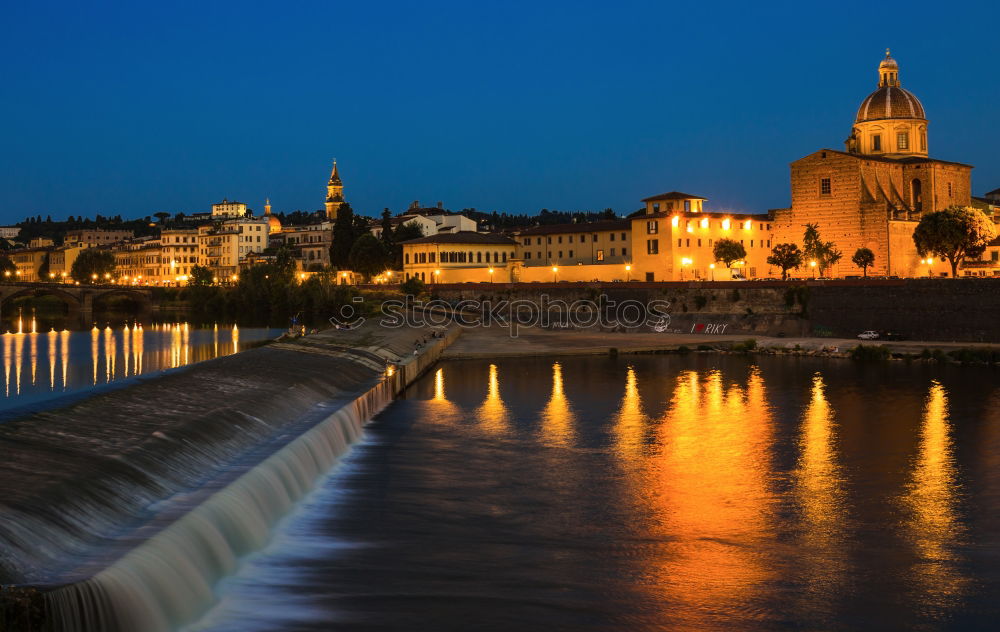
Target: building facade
{"points": [[459, 258], [873, 194]]}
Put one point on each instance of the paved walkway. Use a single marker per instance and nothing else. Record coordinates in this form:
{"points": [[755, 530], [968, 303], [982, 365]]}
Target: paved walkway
{"points": [[496, 342]]}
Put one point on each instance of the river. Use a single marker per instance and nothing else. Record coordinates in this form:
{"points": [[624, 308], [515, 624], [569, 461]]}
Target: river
{"points": [[41, 368], [650, 493]]}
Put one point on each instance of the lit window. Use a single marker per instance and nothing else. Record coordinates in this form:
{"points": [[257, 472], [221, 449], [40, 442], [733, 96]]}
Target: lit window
{"points": [[902, 140], [652, 246], [674, 221], [600, 255], [725, 224], [652, 227], [704, 223]]}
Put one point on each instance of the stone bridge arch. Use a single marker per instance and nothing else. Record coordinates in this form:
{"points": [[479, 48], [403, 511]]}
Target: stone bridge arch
{"points": [[70, 298]]}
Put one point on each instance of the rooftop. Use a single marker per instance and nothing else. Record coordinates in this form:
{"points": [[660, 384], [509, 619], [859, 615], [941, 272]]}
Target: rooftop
{"points": [[674, 195], [464, 237], [582, 227]]}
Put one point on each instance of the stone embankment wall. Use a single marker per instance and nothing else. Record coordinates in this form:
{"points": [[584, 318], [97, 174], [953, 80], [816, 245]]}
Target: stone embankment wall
{"points": [[965, 310]]}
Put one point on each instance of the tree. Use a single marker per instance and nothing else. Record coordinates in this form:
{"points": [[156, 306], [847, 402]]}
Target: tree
{"points": [[368, 256], [786, 257], [387, 228], [200, 275], [824, 253], [92, 264], [954, 233], [412, 286], [343, 236], [404, 232], [863, 258], [729, 251], [6, 265], [162, 216]]}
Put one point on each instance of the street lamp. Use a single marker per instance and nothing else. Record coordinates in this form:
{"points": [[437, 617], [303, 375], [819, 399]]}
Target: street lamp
{"points": [[686, 261], [437, 274], [628, 273], [491, 275], [812, 264], [711, 267], [555, 271]]}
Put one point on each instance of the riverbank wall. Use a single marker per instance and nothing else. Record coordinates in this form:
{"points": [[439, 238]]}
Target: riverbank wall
{"points": [[953, 310], [122, 511]]}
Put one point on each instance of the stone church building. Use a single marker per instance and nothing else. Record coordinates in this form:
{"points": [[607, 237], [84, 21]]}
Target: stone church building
{"points": [[873, 194]]}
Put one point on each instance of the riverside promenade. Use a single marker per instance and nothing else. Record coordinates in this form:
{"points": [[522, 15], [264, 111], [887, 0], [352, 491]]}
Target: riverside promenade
{"points": [[496, 342]]}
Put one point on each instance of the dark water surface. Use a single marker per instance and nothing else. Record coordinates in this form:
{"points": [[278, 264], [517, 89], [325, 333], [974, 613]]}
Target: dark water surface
{"points": [[41, 367], [651, 493]]}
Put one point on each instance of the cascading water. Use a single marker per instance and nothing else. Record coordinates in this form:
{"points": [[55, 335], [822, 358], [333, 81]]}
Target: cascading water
{"points": [[168, 580], [122, 512]]}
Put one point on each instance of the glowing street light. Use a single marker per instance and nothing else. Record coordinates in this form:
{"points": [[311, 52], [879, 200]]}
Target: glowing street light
{"points": [[711, 267], [437, 275], [491, 275], [628, 273], [555, 271], [812, 264]]}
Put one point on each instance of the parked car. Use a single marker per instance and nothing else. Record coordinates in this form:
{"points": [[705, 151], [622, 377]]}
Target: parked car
{"points": [[868, 335]]}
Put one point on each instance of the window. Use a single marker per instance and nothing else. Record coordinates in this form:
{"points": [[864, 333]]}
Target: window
{"points": [[570, 239], [688, 244], [624, 252], [902, 140], [680, 242], [539, 254], [548, 240], [699, 243], [612, 236], [923, 141], [824, 186], [877, 142], [560, 254], [538, 242], [623, 236], [653, 246], [600, 255], [612, 252], [560, 238], [527, 255], [949, 189], [652, 227], [687, 206], [433, 255]]}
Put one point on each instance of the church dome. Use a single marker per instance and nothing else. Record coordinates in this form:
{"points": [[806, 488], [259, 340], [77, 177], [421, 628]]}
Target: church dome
{"points": [[890, 102], [274, 224]]}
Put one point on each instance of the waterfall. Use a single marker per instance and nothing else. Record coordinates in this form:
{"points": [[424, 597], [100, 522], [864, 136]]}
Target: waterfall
{"points": [[168, 580]]}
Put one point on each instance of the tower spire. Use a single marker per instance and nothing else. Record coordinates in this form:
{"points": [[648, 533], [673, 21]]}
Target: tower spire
{"points": [[334, 192]]}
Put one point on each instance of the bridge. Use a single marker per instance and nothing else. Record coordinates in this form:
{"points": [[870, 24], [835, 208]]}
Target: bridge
{"points": [[79, 299]]}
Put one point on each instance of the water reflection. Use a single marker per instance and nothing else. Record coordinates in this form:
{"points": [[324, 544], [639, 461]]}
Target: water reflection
{"points": [[711, 496], [934, 525], [557, 417], [818, 488], [80, 360], [629, 424], [493, 413]]}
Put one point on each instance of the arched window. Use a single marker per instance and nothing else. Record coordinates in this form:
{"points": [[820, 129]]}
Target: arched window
{"points": [[479, 257], [916, 195]]}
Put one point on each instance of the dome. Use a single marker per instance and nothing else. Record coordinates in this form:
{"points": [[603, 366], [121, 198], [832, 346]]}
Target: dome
{"points": [[890, 102], [274, 224]]}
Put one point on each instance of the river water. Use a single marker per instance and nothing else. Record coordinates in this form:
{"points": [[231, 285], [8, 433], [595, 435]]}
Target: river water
{"points": [[650, 493], [39, 368]]}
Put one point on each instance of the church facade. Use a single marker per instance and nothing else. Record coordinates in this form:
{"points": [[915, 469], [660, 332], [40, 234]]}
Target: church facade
{"points": [[874, 192]]}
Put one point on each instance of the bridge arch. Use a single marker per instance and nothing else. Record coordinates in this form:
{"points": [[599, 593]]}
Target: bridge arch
{"points": [[72, 302]]}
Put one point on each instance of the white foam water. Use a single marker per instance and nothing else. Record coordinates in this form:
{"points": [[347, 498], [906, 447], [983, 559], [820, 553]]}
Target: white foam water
{"points": [[169, 580]]}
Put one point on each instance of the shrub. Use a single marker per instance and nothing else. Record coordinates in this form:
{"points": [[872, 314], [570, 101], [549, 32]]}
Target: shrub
{"points": [[869, 353], [412, 286], [683, 350]]}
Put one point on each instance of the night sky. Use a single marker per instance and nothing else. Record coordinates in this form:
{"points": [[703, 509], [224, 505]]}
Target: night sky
{"points": [[140, 107]]}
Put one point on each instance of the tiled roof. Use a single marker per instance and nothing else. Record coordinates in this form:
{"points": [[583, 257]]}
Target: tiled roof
{"points": [[583, 227], [464, 237], [674, 195]]}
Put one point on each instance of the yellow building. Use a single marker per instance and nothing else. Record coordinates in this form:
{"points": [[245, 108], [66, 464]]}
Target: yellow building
{"points": [[61, 261], [459, 258], [29, 262], [590, 243], [673, 244], [140, 263], [179, 252]]}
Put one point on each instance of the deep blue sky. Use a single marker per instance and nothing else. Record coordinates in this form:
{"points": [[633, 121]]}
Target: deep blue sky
{"points": [[138, 107]]}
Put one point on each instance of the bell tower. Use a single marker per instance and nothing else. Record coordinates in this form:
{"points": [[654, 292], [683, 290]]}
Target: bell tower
{"points": [[334, 193]]}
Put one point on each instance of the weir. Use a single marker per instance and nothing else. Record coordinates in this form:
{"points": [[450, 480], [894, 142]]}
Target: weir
{"points": [[123, 511]]}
